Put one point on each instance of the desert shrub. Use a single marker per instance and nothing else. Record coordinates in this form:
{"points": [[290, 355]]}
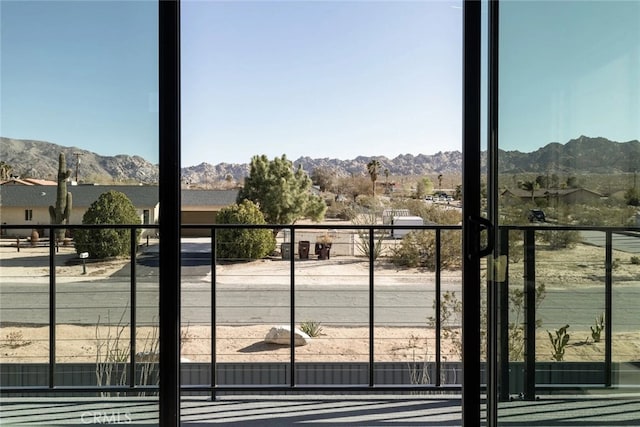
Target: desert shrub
{"points": [[516, 247], [635, 260], [561, 239], [340, 210], [632, 197], [311, 328], [112, 207], [514, 214], [517, 315], [363, 242], [243, 243], [418, 249], [450, 319], [366, 201], [430, 213], [610, 214]]}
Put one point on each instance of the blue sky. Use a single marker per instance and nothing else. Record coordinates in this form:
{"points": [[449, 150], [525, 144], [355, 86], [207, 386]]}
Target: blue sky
{"points": [[316, 78], [322, 79], [81, 73], [568, 68]]}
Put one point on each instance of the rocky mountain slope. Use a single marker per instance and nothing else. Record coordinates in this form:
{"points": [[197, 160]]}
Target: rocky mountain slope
{"points": [[38, 159]]}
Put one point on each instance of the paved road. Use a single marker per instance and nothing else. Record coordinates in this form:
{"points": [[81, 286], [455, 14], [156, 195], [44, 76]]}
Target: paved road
{"points": [[85, 302], [627, 242], [327, 302], [394, 304]]}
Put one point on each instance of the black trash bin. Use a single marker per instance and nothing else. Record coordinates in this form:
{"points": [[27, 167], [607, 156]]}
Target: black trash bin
{"points": [[323, 250], [303, 249]]}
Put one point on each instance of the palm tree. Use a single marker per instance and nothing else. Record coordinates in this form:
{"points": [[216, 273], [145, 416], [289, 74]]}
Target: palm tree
{"points": [[386, 180], [440, 182], [373, 167], [5, 168], [530, 186]]}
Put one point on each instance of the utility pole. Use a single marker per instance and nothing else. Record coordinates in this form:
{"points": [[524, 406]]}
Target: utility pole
{"points": [[77, 164]]}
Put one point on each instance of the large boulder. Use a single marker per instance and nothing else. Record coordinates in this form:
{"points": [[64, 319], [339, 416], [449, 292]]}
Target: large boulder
{"points": [[282, 335]]}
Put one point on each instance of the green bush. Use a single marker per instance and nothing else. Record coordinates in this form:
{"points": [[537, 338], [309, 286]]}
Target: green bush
{"points": [[112, 207], [635, 260], [418, 249], [243, 243], [561, 239]]}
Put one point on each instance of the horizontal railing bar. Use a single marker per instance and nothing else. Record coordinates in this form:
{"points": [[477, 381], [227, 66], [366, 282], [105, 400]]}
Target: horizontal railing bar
{"points": [[625, 230], [328, 387]]}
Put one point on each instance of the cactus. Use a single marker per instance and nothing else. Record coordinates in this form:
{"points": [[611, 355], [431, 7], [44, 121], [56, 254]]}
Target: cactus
{"points": [[596, 330], [62, 211], [559, 343]]}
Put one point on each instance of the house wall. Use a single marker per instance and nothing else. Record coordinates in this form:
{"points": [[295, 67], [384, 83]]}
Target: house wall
{"points": [[580, 197], [198, 217], [41, 218], [15, 215]]}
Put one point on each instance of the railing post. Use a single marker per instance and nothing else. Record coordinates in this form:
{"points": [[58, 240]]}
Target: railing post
{"points": [[530, 315], [52, 308], [438, 313], [170, 217], [608, 310], [371, 309], [214, 304], [503, 320], [132, 327], [292, 308]]}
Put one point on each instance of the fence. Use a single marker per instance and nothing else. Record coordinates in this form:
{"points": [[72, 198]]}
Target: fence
{"points": [[439, 374]]}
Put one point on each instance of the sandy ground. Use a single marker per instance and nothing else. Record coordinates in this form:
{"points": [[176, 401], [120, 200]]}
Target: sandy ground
{"points": [[245, 343]]}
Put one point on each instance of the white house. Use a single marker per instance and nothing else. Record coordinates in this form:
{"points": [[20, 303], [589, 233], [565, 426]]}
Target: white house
{"points": [[29, 204]]}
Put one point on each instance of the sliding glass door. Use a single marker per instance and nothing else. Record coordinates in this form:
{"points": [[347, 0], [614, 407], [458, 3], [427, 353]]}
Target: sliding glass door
{"points": [[564, 126]]}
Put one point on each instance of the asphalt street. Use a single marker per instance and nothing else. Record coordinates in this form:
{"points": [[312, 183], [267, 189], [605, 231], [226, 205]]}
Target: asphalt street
{"points": [[106, 300], [626, 242]]}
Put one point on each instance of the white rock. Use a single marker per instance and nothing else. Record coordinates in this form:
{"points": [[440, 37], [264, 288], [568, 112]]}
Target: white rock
{"points": [[282, 335]]}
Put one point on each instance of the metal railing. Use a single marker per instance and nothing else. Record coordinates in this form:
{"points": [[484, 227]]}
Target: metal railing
{"points": [[370, 232]]}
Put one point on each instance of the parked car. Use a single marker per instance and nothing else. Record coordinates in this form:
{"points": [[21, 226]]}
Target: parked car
{"points": [[537, 215]]}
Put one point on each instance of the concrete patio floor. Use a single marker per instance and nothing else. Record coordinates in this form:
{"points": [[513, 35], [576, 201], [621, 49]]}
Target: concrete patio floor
{"points": [[319, 410]]}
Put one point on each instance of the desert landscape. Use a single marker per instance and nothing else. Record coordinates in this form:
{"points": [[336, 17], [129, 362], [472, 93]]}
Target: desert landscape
{"points": [[28, 343]]}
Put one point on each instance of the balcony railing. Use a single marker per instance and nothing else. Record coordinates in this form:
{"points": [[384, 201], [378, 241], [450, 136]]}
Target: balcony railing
{"points": [[122, 311]]}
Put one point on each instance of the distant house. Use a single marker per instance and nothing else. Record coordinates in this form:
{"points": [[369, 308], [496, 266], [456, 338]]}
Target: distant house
{"points": [[202, 207], [554, 196], [29, 204]]}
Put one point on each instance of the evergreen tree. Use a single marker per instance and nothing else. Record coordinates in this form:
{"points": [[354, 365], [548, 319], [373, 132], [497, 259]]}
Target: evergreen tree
{"points": [[282, 193]]}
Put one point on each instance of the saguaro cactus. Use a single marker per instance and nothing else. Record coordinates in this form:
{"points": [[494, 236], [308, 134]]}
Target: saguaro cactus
{"points": [[62, 211]]}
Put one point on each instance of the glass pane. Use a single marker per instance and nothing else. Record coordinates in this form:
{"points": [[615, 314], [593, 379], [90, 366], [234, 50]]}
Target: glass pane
{"points": [[568, 193], [79, 91], [352, 93]]}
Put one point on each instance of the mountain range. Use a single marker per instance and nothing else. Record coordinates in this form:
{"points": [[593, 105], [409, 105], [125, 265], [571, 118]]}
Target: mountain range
{"points": [[39, 159]]}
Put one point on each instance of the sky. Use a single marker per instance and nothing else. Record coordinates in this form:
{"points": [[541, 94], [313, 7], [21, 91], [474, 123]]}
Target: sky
{"points": [[81, 73], [332, 79], [585, 76]]}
